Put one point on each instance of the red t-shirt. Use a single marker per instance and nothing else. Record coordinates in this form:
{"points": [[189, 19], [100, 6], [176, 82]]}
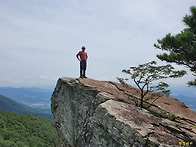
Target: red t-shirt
{"points": [[83, 55]]}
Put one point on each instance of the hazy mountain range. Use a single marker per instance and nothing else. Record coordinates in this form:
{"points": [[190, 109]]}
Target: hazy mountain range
{"points": [[10, 105], [34, 101], [185, 94], [39, 98], [27, 95]]}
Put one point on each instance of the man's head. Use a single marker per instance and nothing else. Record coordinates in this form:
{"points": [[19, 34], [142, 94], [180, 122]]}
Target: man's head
{"points": [[83, 48]]}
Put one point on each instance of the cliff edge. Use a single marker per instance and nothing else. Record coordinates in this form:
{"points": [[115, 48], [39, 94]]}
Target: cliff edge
{"points": [[91, 113]]}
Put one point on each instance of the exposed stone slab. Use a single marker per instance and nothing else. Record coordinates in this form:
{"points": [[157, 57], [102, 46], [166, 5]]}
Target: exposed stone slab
{"points": [[91, 113]]}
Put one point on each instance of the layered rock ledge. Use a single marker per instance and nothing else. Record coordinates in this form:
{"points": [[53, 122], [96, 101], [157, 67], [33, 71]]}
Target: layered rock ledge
{"points": [[91, 113]]}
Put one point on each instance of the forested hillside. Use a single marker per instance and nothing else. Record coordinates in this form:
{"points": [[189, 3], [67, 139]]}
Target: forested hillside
{"points": [[23, 130]]}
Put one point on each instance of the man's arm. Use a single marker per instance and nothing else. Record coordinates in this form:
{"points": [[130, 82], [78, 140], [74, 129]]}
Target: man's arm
{"points": [[77, 56]]}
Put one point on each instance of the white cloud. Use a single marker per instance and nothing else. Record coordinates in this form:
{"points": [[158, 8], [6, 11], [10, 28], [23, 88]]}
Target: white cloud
{"points": [[5, 79], [43, 77]]}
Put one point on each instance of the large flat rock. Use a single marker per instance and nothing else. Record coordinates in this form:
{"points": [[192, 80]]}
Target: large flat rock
{"points": [[95, 113]]}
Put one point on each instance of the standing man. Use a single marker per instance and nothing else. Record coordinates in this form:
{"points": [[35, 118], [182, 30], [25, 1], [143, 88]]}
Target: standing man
{"points": [[82, 57]]}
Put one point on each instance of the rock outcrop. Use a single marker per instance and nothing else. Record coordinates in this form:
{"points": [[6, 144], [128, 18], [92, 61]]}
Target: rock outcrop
{"points": [[91, 113]]}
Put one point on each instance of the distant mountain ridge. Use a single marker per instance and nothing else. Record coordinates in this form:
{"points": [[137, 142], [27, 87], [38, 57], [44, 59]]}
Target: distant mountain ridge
{"points": [[10, 105], [34, 97], [189, 100], [26, 95], [185, 94]]}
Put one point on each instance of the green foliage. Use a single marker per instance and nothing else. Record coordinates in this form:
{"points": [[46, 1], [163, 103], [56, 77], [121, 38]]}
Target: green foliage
{"points": [[146, 74], [192, 83], [163, 114], [181, 47], [158, 114], [23, 130]]}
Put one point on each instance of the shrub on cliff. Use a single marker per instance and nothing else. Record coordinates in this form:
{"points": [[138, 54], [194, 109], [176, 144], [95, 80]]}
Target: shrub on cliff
{"points": [[147, 78]]}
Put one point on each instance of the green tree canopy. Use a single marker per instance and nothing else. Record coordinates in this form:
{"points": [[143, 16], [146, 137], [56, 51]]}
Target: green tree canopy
{"points": [[181, 48], [24, 130]]}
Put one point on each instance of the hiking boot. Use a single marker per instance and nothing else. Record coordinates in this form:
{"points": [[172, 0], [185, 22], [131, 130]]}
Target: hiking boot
{"points": [[85, 77], [81, 77]]}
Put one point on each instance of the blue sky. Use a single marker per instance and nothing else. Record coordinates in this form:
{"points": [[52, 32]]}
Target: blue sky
{"points": [[40, 38]]}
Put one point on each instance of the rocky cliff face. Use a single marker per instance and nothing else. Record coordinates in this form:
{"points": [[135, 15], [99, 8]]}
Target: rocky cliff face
{"points": [[90, 113]]}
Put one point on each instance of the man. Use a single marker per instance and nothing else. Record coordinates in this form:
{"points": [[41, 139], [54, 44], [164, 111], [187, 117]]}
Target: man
{"points": [[82, 57]]}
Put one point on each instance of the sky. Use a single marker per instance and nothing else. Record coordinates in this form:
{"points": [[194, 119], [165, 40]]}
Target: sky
{"points": [[39, 39]]}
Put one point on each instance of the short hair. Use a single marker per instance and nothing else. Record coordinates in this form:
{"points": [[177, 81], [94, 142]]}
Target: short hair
{"points": [[83, 47]]}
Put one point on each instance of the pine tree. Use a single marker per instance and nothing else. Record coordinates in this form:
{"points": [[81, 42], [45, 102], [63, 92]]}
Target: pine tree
{"points": [[181, 47]]}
